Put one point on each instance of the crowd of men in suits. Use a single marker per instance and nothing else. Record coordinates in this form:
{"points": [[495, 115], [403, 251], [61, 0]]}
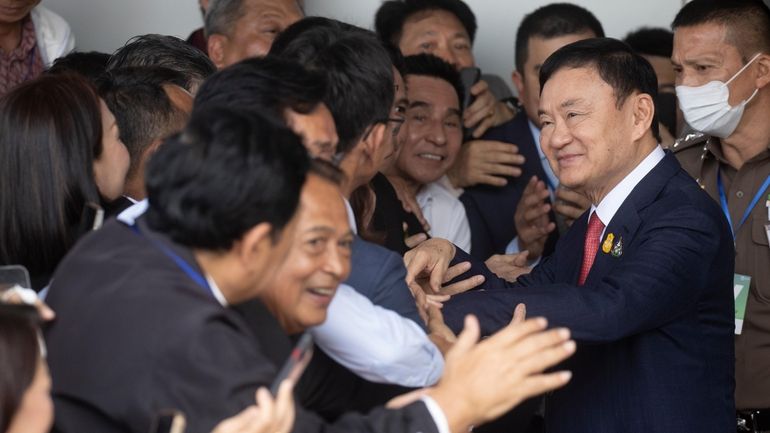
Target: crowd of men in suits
{"points": [[591, 256]]}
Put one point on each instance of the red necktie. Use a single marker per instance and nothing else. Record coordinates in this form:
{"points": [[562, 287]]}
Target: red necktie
{"points": [[591, 246]]}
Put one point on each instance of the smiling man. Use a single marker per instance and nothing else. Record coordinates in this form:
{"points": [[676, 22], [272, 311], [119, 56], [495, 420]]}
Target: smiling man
{"points": [[144, 305], [644, 278], [433, 138]]}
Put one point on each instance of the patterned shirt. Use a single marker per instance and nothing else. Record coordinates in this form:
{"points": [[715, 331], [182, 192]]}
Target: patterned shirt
{"points": [[23, 62]]}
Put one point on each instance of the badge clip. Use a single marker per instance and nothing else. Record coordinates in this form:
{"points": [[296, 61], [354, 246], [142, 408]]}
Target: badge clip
{"points": [[617, 250], [607, 245]]}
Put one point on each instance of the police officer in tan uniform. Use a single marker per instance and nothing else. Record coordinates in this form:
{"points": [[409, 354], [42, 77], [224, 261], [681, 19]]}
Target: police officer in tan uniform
{"points": [[722, 58]]}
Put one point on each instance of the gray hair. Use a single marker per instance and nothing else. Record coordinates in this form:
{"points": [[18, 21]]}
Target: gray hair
{"points": [[221, 16]]}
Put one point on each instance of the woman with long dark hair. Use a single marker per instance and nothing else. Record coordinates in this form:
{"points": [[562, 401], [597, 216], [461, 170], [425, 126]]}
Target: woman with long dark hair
{"points": [[60, 157]]}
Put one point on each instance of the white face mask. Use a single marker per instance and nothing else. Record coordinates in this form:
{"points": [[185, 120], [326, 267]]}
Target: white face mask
{"points": [[706, 109]]}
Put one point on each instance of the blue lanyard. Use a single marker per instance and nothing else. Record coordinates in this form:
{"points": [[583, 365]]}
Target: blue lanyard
{"points": [[752, 204], [180, 262]]}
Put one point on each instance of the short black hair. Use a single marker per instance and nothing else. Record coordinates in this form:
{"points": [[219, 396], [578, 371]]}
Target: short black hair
{"points": [[227, 172], [391, 16], [551, 21], [396, 57], [269, 85], [651, 41], [142, 109], [168, 52], [615, 62], [91, 64], [747, 22], [357, 66], [428, 65]]}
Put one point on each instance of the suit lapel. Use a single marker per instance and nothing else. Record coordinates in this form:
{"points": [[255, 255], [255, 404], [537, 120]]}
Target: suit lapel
{"points": [[626, 222]]}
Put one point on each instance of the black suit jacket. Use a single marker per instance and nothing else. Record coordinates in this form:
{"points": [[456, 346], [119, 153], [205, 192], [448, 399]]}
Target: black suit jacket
{"points": [[134, 335], [491, 209], [654, 324]]}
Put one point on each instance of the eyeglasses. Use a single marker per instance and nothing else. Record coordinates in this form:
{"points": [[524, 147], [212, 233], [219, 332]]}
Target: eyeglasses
{"points": [[397, 120]]}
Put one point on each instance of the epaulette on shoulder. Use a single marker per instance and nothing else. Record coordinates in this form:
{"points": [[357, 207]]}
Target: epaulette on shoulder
{"points": [[690, 140]]}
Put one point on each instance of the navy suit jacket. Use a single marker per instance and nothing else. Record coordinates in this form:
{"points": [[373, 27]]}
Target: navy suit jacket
{"points": [[490, 209], [379, 274], [654, 326]]}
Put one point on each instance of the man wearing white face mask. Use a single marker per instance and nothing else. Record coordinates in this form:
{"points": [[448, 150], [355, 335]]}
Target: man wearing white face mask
{"points": [[722, 58]]}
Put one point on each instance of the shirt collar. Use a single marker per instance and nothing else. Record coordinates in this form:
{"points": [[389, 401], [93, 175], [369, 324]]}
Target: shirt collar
{"points": [[608, 207], [351, 216], [130, 214], [216, 292]]}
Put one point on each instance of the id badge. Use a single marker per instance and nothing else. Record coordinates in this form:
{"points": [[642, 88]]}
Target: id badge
{"points": [[741, 284]]}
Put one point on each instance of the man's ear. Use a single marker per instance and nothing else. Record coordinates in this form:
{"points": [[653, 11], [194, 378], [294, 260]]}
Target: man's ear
{"points": [[374, 139], [152, 148], [763, 66], [254, 246], [643, 111], [216, 46], [518, 81]]}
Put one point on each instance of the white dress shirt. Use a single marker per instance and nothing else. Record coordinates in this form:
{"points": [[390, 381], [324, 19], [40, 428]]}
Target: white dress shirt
{"points": [[608, 207], [445, 214], [376, 343]]}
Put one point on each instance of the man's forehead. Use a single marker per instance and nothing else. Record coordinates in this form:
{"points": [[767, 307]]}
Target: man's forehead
{"points": [[571, 87], [278, 8], [424, 22], [428, 91], [321, 197], [701, 40]]}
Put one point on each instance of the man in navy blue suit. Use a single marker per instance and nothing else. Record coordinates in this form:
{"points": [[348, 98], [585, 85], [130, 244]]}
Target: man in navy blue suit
{"points": [[515, 217], [643, 279]]}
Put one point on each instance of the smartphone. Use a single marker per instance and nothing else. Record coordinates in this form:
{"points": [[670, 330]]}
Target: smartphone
{"points": [[296, 364], [469, 77], [14, 275], [169, 421]]}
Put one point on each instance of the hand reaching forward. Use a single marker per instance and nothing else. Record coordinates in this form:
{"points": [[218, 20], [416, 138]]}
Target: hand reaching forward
{"points": [[483, 380]]}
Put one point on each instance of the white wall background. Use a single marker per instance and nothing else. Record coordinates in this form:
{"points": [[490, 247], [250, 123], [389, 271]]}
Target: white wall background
{"points": [[105, 25], [498, 20]]}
